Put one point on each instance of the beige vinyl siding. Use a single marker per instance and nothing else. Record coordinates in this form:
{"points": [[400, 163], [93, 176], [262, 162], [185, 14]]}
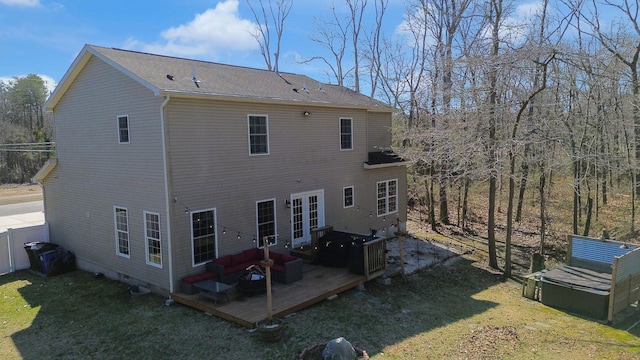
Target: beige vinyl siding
{"points": [[96, 173], [212, 168]]}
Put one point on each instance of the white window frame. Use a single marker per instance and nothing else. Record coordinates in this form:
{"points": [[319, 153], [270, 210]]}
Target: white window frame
{"points": [[120, 130], [150, 237], [122, 229], [275, 223], [215, 236], [386, 197], [266, 117], [344, 197], [344, 134]]}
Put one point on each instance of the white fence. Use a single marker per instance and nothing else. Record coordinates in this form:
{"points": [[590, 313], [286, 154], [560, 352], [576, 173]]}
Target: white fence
{"points": [[12, 253]]}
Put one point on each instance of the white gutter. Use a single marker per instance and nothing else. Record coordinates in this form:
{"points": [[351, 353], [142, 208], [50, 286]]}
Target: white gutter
{"points": [[166, 190]]}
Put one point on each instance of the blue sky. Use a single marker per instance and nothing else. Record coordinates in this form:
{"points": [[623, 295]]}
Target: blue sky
{"points": [[43, 37]]}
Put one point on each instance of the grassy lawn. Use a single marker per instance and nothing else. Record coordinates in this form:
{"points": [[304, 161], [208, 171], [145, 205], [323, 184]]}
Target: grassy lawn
{"points": [[458, 311]]}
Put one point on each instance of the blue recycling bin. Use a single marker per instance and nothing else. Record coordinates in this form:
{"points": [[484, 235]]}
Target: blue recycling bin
{"points": [[34, 250], [49, 259]]}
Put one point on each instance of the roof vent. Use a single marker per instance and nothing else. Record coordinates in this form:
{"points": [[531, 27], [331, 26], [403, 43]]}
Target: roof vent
{"points": [[195, 78], [170, 77]]}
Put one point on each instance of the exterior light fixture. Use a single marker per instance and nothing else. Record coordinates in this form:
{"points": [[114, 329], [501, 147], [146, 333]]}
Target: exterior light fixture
{"points": [[306, 113]]}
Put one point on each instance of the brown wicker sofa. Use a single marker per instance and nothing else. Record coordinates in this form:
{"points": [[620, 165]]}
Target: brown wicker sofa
{"points": [[286, 268]]}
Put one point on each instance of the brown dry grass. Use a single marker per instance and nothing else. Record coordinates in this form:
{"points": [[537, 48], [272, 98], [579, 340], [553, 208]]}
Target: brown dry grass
{"points": [[615, 217], [15, 193], [460, 311]]}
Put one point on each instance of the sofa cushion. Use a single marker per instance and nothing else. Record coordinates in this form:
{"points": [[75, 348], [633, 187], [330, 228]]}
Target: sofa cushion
{"points": [[224, 261], [199, 277], [235, 268], [251, 254], [237, 259], [276, 257]]}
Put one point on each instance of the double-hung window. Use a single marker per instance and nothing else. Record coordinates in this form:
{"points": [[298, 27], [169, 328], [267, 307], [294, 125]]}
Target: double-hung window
{"points": [[346, 134], [203, 236], [387, 197], [266, 221], [152, 237], [123, 129], [347, 197], [258, 135], [121, 223]]}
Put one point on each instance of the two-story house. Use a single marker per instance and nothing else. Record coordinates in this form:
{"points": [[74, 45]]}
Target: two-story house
{"points": [[164, 163]]}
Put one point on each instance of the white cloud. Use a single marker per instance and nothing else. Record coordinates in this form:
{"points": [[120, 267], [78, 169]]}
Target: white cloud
{"points": [[529, 10], [211, 33], [30, 3]]}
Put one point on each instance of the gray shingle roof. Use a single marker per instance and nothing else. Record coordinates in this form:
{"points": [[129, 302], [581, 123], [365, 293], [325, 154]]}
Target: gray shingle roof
{"points": [[171, 75]]}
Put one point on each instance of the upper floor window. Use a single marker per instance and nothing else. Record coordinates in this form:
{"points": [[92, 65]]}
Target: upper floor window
{"points": [[387, 197], [346, 134], [121, 223], [258, 135], [203, 236], [266, 217], [347, 197], [152, 237], [123, 129]]}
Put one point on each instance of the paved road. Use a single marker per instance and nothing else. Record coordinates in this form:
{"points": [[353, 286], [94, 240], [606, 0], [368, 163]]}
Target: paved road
{"points": [[21, 208]]}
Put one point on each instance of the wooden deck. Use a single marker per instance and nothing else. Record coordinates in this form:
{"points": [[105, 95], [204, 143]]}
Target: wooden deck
{"points": [[317, 284]]}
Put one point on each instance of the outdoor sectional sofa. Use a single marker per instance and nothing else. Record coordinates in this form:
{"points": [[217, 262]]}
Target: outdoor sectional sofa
{"points": [[286, 268]]}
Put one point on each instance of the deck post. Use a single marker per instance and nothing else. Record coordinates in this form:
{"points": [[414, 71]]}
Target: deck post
{"points": [[400, 235], [266, 263]]}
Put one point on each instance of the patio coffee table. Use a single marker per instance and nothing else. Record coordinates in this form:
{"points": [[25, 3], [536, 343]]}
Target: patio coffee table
{"points": [[213, 290]]}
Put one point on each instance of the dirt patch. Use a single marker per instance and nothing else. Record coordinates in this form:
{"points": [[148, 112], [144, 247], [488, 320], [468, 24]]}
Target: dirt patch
{"points": [[12, 193], [489, 342], [7, 190]]}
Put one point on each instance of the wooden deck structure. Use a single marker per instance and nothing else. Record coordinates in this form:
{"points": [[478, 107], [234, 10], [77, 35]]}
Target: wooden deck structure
{"points": [[318, 283]]}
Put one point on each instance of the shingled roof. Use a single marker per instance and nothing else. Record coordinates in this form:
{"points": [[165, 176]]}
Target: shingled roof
{"points": [[166, 75]]}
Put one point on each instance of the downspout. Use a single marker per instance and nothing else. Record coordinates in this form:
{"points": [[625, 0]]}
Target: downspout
{"points": [[166, 190]]}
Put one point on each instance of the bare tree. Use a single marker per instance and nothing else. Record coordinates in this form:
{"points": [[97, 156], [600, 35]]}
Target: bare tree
{"points": [[266, 17], [356, 9], [495, 19], [333, 35], [373, 48]]}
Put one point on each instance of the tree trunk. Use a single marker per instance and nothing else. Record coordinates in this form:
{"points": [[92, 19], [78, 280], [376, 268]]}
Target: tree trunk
{"points": [[543, 220], [432, 210], [465, 202], [523, 185], [587, 224], [507, 242], [576, 204], [444, 205]]}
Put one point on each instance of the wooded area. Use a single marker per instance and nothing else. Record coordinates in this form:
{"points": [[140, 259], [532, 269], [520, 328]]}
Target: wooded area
{"points": [[504, 92], [26, 131]]}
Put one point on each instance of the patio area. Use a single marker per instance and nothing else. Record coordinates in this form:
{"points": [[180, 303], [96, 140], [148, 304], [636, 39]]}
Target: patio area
{"points": [[318, 283]]}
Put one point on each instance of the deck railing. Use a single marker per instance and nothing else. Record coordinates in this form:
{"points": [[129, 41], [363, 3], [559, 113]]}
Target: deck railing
{"points": [[375, 258]]}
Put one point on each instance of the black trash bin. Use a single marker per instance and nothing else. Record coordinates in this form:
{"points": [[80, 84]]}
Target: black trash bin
{"points": [[34, 250], [49, 259]]}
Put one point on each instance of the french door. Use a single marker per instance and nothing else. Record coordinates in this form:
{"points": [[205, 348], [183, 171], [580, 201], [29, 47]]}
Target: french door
{"points": [[307, 213]]}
